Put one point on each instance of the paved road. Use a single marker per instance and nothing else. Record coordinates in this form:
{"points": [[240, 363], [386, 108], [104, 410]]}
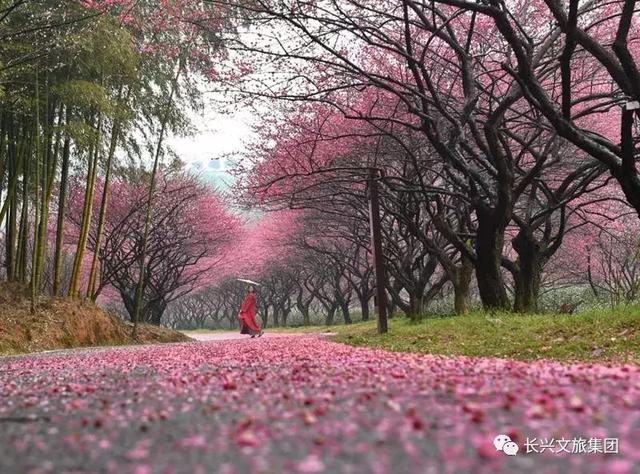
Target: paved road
{"points": [[305, 404], [233, 336]]}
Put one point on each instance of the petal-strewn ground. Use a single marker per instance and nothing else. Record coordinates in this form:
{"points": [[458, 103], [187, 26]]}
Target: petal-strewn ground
{"points": [[304, 404]]}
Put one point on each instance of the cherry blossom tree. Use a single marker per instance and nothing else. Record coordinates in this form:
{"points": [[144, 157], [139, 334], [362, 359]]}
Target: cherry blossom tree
{"points": [[190, 231], [420, 70], [434, 73], [598, 41]]}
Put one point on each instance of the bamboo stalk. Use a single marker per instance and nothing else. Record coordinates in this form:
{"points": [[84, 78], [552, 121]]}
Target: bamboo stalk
{"points": [[62, 208], [44, 199], [23, 236], [34, 255], [115, 133], [86, 214], [145, 238]]}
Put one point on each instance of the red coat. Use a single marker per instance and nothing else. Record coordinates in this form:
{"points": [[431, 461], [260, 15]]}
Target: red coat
{"points": [[248, 313]]}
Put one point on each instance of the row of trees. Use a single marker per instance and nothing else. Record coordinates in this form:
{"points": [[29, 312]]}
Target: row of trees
{"points": [[499, 129], [322, 275], [190, 229]]}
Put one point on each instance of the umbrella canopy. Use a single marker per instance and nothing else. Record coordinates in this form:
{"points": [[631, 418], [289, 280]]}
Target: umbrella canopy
{"points": [[250, 282]]}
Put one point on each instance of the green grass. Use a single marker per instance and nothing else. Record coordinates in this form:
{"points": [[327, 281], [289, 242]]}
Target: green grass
{"points": [[304, 329], [612, 335]]}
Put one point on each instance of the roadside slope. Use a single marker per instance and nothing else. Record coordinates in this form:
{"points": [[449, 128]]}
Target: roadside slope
{"points": [[60, 323]]}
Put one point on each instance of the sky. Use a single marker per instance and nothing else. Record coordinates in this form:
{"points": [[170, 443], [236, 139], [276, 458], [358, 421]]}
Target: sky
{"points": [[218, 136], [219, 139]]}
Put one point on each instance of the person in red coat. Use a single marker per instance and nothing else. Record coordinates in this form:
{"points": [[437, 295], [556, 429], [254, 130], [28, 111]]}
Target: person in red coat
{"points": [[247, 315]]}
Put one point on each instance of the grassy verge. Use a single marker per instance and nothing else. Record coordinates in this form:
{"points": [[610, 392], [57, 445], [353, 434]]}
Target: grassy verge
{"points": [[594, 336]]}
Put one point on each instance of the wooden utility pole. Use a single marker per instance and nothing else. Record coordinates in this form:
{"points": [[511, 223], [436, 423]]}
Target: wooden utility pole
{"points": [[376, 250]]}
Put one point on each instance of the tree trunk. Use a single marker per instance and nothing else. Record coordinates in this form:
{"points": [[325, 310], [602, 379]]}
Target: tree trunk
{"points": [[36, 210], [488, 267], [304, 310], [364, 307], [392, 302], [14, 167], [395, 301], [87, 214], [527, 278], [91, 285], [156, 310], [345, 312], [127, 300], [23, 233], [391, 307], [416, 304], [62, 208], [331, 312], [49, 165], [461, 286], [303, 306], [10, 245], [3, 138], [627, 173]]}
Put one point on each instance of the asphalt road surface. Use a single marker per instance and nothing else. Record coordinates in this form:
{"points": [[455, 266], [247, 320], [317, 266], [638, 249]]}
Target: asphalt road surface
{"points": [[301, 403]]}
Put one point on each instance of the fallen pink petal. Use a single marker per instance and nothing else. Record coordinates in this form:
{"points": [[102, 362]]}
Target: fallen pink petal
{"points": [[319, 236], [215, 426]]}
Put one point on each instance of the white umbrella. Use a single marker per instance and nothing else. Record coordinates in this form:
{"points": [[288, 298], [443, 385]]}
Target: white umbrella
{"points": [[250, 282]]}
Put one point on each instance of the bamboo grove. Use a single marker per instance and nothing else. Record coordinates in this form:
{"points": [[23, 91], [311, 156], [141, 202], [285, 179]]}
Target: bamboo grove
{"points": [[82, 98]]}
